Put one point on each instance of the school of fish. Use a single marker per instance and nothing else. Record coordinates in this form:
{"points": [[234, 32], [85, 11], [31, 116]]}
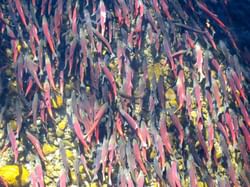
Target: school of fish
{"points": [[151, 94]]}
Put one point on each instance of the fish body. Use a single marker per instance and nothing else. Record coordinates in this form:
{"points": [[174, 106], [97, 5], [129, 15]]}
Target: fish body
{"points": [[61, 82], [199, 61], [29, 86], [129, 119], [201, 138], [160, 148], [216, 93], [58, 20], [103, 16], [118, 13], [178, 125], [84, 162], [238, 84], [47, 98], [48, 36], [35, 34], [63, 179], [13, 143], [64, 157], [74, 19], [181, 89], [118, 124], [140, 180], [110, 78], [111, 150], [35, 142], [49, 71], [137, 151], [98, 118], [203, 7], [71, 54], [210, 39], [165, 9], [169, 54], [79, 134], [246, 134], [89, 28], [172, 176], [244, 112], [33, 179], [164, 134], [230, 124], [221, 127], [190, 42], [104, 40], [33, 67], [210, 135], [104, 156], [192, 173], [39, 174], [20, 11]]}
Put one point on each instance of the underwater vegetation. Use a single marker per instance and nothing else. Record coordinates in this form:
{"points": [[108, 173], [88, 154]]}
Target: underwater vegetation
{"points": [[122, 93]]}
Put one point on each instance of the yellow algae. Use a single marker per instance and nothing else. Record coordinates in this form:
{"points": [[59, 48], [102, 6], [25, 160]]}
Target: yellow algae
{"points": [[213, 74], [57, 102], [146, 180], [92, 184], [14, 175], [81, 169], [118, 80], [186, 182], [62, 124], [163, 62], [73, 177], [113, 65], [201, 184], [87, 89], [48, 149], [53, 101], [218, 151], [157, 71], [19, 47], [69, 154], [47, 180], [137, 109], [150, 71], [155, 184], [205, 113], [173, 103], [104, 52], [153, 154], [180, 164], [13, 124], [170, 94], [12, 86], [154, 70], [69, 86], [59, 132], [194, 117]]}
